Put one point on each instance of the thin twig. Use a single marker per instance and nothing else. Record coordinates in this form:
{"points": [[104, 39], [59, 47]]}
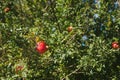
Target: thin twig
{"points": [[71, 73], [71, 38]]}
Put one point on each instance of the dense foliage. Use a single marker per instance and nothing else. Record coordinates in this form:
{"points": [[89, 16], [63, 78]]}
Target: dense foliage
{"points": [[83, 38]]}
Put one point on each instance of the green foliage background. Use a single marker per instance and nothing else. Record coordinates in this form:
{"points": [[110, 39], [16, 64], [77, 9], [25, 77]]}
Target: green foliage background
{"points": [[70, 57]]}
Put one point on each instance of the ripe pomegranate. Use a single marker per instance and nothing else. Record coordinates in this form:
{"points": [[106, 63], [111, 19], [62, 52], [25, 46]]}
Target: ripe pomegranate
{"points": [[41, 47], [115, 45]]}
